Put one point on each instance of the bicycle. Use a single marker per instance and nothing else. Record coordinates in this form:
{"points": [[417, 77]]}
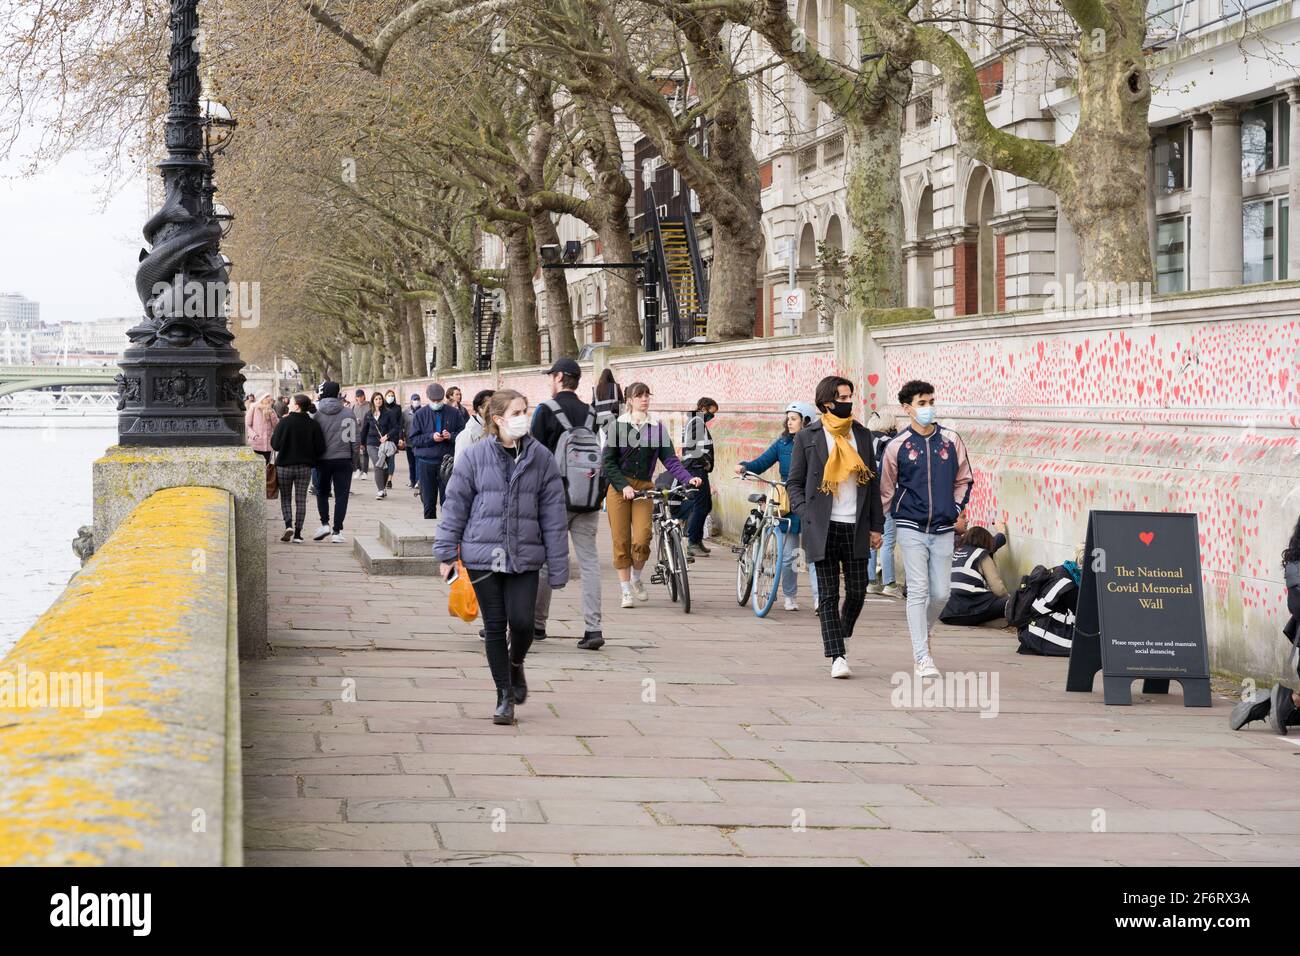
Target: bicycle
{"points": [[762, 547], [670, 556]]}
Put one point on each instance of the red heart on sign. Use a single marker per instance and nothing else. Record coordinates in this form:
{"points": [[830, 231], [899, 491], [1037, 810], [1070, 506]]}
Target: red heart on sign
{"points": [[1146, 537]]}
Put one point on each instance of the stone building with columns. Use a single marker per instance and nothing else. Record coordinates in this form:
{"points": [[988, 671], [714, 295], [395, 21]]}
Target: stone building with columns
{"points": [[1224, 126]]}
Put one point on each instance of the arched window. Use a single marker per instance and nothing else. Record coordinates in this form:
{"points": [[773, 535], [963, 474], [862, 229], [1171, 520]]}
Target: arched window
{"points": [[921, 266], [979, 257], [835, 39], [807, 248]]}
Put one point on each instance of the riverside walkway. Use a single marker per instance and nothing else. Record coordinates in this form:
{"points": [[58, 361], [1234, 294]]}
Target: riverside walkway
{"points": [[712, 738]]}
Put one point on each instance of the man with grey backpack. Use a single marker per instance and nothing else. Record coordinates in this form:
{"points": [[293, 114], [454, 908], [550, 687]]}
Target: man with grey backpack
{"points": [[567, 426]]}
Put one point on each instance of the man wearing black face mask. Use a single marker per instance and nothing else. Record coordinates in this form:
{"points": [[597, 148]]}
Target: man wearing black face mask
{"points": [[697, 457], [834, 488]]}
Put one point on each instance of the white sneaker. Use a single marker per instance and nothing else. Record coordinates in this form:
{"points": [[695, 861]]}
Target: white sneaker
{"points": [[338, 539], [925, 667], [638, 588], [322, 533], [840, 668], [791, 604], [627, 599], [381, 496], [874, 588], [892, 590]]}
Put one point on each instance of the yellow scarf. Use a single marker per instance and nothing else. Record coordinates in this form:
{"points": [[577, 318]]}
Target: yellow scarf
{"points": [[844, 460]]}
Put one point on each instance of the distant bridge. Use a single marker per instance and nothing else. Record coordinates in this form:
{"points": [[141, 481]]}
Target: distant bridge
{"points": [[69, 401], [20, 378]]}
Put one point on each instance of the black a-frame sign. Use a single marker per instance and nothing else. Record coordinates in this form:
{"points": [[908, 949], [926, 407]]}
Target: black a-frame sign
{"points": [[1140, 612]]}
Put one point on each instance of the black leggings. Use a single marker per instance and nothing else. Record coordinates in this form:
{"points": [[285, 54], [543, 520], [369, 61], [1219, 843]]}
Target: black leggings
{"points": [[506, 601], [988, 608]]}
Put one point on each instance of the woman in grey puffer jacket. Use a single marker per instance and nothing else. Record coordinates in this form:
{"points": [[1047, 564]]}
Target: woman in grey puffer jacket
{"points": [[505, 516]]}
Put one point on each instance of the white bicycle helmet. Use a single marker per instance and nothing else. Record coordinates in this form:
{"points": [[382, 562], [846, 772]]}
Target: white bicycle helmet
{"points": [[807, 410]]}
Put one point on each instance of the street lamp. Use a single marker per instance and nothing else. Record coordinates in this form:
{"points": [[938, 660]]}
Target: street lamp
{"points": [[181, 382], [218, 127]]}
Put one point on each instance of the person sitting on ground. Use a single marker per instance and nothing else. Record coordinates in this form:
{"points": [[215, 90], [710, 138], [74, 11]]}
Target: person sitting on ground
{"points": [[978, 595], [1281, 705]]}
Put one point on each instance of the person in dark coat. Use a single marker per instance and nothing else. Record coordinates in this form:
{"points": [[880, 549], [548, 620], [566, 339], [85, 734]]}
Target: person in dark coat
{"points": [[505, 517], [834, 488], [299, 444], [381, 425], [1280, 707], [432, 434]]}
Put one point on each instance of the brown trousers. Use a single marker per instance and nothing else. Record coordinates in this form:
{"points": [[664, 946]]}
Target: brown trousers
{"points": [[629, 525]]}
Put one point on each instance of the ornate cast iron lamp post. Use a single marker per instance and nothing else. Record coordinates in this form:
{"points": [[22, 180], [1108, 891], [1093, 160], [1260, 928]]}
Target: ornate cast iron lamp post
{"points": [[181, 382]]}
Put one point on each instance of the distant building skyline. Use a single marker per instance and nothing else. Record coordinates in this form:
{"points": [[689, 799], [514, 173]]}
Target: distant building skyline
{"points": [[19, 312]]}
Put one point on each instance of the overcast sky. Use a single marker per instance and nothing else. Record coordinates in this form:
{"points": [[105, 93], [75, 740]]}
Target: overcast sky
{"points": [[64, 246]]}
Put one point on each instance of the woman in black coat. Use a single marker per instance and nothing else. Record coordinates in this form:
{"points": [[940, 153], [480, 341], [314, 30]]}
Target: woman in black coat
{"points": [[382, 423]]}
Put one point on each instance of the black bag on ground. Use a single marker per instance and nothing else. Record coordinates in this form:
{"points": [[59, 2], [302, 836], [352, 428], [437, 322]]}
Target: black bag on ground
{"points": [[1050, 631], [1020, 606]]}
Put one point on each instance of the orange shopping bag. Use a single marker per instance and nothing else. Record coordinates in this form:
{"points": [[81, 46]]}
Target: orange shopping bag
{"points": [[461, 599]]}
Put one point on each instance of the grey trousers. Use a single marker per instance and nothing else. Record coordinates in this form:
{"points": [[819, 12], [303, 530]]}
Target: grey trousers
{"points": [[582, 539]]}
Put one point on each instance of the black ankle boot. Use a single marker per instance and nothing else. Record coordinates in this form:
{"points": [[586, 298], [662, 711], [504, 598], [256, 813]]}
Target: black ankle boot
{"points": [[505, 712], [518, 682]]}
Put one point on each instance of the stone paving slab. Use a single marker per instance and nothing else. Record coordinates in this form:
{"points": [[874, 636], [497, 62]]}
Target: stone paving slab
{"points": [[710, 739]]}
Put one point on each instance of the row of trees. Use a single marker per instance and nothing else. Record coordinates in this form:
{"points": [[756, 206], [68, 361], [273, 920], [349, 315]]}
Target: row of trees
{"points": [[381, 140]]}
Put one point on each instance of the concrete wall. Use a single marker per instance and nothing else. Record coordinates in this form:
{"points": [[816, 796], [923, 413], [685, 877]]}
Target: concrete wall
{"points": [[1186, 403], [143, 768]]}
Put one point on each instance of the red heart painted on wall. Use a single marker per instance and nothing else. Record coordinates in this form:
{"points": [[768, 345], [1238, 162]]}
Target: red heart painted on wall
{"points": [[873, 378], [1146, 537]]}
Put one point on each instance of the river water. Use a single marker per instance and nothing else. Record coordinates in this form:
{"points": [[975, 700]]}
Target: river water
{"points": [[45, 496]]}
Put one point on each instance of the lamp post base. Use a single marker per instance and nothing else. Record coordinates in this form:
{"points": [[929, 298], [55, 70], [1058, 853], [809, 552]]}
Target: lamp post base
{"points": [[191, 395]]}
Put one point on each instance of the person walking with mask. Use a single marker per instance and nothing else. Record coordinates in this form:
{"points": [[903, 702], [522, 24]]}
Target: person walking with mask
{"points": [[567, 414], [433, 433], [408, 423], [334, 467], [697, 458], [360, 408], [834, 489], [298, 443], [634, 444], [390, 403], [379, 431], [505, 518], [925, 483]]}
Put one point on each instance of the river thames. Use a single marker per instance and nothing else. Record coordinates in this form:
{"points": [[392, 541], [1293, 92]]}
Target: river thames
{"points": [[46, 487]]}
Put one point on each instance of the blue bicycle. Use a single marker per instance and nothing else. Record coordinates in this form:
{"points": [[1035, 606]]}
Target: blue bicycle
{"points": [[762, 548]]}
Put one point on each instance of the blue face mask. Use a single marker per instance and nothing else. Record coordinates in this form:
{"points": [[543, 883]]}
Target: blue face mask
{"points": [[925, 415]]}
